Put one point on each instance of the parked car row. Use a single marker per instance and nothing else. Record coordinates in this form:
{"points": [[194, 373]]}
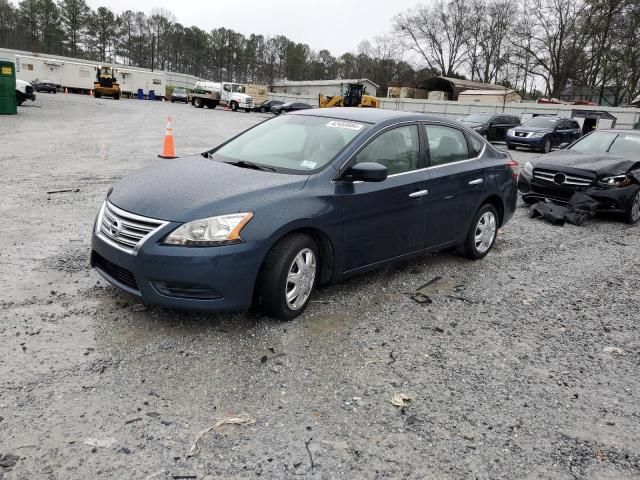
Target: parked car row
{"points": [[541, 133]]}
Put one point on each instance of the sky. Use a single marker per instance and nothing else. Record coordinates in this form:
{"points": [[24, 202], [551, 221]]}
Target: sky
{"points": [[336, 25]]}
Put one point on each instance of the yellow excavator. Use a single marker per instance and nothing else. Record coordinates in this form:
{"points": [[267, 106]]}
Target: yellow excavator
{"points": [[106, 83], [353, 95]]}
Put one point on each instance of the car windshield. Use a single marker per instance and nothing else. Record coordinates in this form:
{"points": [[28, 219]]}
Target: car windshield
{"points": [[541, 122], [477, 117], [179, 90], [626, 145], [291, 143]]}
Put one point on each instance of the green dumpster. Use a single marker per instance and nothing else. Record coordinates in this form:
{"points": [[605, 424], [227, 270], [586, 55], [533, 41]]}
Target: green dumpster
{"points": [[7, 88]]}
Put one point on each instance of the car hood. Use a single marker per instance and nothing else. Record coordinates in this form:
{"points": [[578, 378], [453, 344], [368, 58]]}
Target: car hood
{"points": [[523, 128], [192, 188], [471, 124], [600, 164]]}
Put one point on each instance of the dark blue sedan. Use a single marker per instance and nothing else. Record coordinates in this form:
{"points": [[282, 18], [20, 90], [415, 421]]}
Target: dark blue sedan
{"points": [[301, 200]]}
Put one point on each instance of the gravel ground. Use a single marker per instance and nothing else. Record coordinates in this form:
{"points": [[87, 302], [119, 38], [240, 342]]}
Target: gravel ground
{"points": [[523, 367]]}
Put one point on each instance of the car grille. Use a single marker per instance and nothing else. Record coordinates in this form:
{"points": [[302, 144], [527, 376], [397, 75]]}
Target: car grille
{"points": [[125, 230], [116, 272], [561, 178]]}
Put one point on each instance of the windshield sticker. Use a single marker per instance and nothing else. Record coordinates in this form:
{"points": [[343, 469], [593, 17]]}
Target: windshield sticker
{"points": [[347, 125], [633, 138], [308, 164]]}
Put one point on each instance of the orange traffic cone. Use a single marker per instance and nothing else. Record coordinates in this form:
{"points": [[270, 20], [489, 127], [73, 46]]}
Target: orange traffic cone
{"points": [[168, 149], [91, 93], [66, 91]]}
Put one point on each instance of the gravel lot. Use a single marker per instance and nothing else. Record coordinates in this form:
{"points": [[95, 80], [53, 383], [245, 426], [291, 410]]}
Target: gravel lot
{"points": [[523, 367]]}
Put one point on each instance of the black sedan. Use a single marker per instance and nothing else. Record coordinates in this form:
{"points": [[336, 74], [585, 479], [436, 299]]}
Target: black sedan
{"points": [[544, 132], [179, 95], [301, 200], [266, 106], [604, 165], [290, 107], [492, 126], [44, 86]]}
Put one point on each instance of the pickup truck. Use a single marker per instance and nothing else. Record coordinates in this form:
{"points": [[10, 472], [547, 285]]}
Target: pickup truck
{"points": [[24, 91]]}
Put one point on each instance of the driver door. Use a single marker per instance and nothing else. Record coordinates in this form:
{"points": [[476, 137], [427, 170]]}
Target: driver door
{"points": [[384, 220]]}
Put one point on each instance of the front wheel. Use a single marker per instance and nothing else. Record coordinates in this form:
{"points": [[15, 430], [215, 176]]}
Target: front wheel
{"points": [[198, 103], [234, 106], [288, 277], [263, 110], [546, 147], [248, 110], [633, 211], [19, 99], [482, 234]]}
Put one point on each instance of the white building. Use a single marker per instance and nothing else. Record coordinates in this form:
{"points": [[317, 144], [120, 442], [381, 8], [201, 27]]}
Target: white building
{"points": [[313, 88]]}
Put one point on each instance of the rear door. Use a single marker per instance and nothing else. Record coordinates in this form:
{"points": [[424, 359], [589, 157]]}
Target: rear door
{"points": [[384, 220], [456, 183]]}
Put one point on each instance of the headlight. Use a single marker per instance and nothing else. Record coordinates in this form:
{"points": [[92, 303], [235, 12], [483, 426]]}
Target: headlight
{"points": [[510, 132], [539, 134], [614, 179], [528, 168], [209, 232]]}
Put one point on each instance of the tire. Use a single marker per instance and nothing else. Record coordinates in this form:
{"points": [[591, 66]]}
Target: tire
{"points": [[511, 147], [479, 241], [97, 95], [173, 101], [546, 147], [287, 256], [248, 110], [19, 98], [633, 209], [198, 103], [263, 110], [530, 201], [234, 106], [116, 97]]}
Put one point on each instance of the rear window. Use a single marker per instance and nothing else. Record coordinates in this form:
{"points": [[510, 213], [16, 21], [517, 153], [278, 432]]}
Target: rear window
{"points": [[292, 143]]}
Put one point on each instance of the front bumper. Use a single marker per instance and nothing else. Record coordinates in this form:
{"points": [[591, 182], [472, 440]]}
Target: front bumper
{"points": [[211, 278], [528, 142], [612, 200]]}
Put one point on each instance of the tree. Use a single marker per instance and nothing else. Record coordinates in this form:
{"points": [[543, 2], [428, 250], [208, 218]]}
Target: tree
{"points": [[102, 33], [73, 16]]}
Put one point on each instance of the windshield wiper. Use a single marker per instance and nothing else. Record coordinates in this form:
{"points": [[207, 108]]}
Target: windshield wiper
{"points": [[254, 166]]}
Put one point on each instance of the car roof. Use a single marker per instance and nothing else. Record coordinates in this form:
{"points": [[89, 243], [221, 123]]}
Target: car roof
{"points": [[619, 130], [368, 115]]}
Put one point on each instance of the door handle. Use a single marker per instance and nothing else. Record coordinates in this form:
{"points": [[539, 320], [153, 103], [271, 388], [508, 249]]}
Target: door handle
{"points": [[477, 181], [419, 194]]}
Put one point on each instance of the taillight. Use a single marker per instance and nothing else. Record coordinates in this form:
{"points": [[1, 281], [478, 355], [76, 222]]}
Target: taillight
{"points": [[514, 167]]}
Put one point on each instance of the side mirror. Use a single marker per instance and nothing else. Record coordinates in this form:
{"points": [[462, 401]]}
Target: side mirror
{"points": [[564, 145], [367, 172]]}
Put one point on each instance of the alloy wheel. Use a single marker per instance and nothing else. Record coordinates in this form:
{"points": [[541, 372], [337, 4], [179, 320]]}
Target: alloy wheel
{"points": [[485, 232], [300, 279], [635, 208]]}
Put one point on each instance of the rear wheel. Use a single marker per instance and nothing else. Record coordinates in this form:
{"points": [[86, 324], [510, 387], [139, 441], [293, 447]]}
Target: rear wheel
{"points": [[248, 110], [97, 94], [482, 234], [198, 103], [288, 277], [633, 211]]}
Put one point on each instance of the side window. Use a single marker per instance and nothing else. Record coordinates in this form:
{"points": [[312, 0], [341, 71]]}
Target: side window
{"points": [[476, 145], [446, 145], [397, 149]]}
